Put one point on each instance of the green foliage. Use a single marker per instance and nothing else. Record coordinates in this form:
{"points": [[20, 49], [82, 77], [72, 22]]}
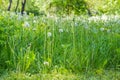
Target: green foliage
{"points": [[5, 31], [104, 7], [72, 44], [32, 7], [91, 7], [68, 6]]}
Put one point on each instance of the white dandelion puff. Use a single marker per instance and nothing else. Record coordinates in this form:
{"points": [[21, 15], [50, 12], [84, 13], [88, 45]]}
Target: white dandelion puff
{"points": [[34, 21], [76, 24], [46, 63], [49, 34], [102, 29], [26, 24], [60, 30], [104, 17]]}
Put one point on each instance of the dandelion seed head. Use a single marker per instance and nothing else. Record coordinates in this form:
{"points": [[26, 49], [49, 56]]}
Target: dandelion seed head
{"points": [[26, 24], [102, 29], [34, 21], [94, 18], [49, 34], [104, 18], [60, 30], [46, 63], [76, 24]]}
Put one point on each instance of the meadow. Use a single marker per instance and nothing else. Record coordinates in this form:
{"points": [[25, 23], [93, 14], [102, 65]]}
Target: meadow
{"points": [[59, 48]]}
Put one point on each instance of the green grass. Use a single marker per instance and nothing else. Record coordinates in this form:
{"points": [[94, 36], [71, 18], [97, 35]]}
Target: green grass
{"points": [[106, 75], [74, 44]]}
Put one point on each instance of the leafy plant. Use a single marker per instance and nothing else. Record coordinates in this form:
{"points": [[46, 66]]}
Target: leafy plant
{"points": [[68, 6]]}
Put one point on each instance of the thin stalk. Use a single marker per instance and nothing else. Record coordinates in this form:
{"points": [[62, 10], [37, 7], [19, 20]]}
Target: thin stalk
{"points": [[45, 42]]}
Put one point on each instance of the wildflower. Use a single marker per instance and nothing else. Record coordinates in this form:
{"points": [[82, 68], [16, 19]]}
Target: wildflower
{"points": [[102, 29], [49, 34], [26, 24], [60, 30], [76, 24], [94, 18], [104, 17], [34, 21], [46, 63]]}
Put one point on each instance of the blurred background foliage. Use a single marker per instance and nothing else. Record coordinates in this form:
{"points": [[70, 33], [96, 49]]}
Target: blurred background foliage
{"points": [[91, 7]]}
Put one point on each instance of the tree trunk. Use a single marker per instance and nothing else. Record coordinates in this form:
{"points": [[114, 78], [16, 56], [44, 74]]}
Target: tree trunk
{"points": [[10, 3], [23, 6], [17, 5]]}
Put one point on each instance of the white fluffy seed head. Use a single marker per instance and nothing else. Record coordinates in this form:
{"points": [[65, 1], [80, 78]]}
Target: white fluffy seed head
{"points": [[60, 30], [26, 24], [46, 63], [34, 21], [49, 34], [102, 29]]}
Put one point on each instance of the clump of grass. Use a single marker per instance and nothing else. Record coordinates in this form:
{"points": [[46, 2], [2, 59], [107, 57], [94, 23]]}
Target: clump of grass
{"points": [[38, 44]]}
